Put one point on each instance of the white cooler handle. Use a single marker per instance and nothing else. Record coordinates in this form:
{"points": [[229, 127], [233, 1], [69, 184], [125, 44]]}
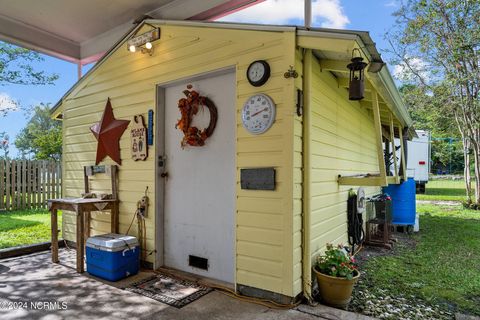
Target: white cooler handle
{"points": [[128, 249]]}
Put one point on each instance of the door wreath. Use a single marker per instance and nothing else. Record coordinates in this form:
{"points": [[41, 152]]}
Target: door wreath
{"points": [[189, 107]]}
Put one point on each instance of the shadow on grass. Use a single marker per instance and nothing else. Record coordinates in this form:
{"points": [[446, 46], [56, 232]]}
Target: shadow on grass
{"points": [[8, 223], [445, 191]]}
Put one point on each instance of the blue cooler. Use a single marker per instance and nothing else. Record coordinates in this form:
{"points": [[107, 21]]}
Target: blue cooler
{"points": [[113, 256]]}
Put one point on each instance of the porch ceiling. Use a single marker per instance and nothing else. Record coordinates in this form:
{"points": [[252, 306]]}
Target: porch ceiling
{"points": [[81, 31]]}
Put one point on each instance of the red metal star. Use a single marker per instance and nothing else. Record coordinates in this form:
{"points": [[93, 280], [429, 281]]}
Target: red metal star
{"points": [[108, 132]]}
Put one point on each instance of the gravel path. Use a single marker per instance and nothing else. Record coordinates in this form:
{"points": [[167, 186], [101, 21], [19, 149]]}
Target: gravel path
{"points": [[440, 202], [378, 303]]}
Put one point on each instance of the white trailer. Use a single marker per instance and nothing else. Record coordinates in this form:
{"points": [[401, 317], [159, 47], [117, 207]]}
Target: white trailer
{"points": [[418, 159]]}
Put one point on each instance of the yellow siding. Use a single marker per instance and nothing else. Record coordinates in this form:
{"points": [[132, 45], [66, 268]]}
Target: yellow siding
{"points": [[342, 141], [265, 227]]}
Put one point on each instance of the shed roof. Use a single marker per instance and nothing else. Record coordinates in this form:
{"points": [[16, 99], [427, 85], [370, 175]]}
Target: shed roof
{"points": [[327, 50]]}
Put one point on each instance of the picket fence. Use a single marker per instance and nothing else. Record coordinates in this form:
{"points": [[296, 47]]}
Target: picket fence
{"points": [[28, 184]]}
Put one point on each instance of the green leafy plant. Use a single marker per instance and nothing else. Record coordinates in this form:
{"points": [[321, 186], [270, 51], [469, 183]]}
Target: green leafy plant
{"points": [[42, 136], [336, 263]]}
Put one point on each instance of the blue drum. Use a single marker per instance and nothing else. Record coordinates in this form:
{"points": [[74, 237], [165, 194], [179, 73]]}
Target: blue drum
{"points": [[403, 202]]}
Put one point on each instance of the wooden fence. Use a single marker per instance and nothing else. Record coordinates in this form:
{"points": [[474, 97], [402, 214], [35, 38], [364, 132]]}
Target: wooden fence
{"points": [[27, 184]]}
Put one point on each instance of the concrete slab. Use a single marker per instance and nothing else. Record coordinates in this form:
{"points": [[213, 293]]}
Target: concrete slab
{"points": [[327, 312], [31, 287]]}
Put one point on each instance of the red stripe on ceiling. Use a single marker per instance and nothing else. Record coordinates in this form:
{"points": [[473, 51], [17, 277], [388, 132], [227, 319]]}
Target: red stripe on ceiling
{"points": [[222, 10]]}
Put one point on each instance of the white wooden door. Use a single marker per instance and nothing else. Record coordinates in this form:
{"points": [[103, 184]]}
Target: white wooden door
{"points": [[199, 198]]}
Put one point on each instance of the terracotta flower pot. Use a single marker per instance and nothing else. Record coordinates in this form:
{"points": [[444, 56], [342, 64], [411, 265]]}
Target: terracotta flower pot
{"points": [[335, 291]]}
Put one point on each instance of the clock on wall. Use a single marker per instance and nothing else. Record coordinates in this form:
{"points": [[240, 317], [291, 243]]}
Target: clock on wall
{"points": [[258, 72], [258, 113]]}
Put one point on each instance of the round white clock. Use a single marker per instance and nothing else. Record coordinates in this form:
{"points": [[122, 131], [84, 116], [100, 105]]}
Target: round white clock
{"points": [[258, 113]]}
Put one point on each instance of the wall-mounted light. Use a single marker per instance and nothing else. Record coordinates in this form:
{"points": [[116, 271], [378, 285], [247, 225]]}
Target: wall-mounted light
{"points": [[356, 86], [144, 41]]}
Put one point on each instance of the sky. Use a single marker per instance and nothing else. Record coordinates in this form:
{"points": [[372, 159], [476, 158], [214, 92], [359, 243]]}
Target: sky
{"points": [[374, 16]]}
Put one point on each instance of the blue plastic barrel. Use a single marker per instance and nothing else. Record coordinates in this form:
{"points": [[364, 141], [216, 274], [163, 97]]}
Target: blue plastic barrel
{"points": [[403, 202]]}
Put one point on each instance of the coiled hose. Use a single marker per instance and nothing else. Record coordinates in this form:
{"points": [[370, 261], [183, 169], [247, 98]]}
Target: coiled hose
{"points": [[356, 234]]}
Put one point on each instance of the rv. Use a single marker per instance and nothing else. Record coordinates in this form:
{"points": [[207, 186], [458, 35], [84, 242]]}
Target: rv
{"points": [[418, 159]]}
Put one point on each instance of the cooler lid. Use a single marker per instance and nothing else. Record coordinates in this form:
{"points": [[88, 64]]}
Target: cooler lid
{"points": [[112, 241]]}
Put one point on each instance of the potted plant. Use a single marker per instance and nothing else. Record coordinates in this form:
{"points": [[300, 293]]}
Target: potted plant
{"points": [[336, 274]]}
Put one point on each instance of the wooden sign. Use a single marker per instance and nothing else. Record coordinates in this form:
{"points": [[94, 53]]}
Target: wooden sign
{"points": [[138, 135], [143, 38], [92, 170]]}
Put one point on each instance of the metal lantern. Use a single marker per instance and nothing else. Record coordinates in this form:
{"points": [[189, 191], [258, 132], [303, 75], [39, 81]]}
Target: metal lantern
{"points": [[356, 86]]}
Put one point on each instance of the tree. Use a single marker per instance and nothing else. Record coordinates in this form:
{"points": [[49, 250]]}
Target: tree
{"points": [[16, 68], [447, 149], [437, 44], [42, 137], [4, 144]]}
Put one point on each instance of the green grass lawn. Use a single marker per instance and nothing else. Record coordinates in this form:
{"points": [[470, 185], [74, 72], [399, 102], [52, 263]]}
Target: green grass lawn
{"points": [[25, 227], [443, 267], [446, 190]]}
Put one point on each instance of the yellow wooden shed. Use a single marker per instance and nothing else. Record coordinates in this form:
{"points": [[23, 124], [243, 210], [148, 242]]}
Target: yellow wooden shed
{"points": [[262, 240]]}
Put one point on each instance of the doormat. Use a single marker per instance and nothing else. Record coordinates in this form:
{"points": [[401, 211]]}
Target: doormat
{"points": [[174, 292]]}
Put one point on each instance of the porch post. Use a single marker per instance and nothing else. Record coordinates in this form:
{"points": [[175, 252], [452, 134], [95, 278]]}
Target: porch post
{"points": [[402, 154], [378, 136], [392, 140]]}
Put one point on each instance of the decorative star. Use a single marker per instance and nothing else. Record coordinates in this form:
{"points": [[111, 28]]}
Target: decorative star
{"points": [[108, 132]]}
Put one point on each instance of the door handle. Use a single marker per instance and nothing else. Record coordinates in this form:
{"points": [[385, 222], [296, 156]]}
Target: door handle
{"points": [[164, 175]]}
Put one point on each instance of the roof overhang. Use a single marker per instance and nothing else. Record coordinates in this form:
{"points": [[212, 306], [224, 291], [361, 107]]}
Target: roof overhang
{"points": [[334, 47], [56, 111], [82, 31]]}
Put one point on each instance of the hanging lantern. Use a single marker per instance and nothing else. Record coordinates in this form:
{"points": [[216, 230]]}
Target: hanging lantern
{"points": [[356, 87]]}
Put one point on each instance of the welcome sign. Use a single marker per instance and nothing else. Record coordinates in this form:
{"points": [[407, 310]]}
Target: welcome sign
{"points": [[138, 136]]}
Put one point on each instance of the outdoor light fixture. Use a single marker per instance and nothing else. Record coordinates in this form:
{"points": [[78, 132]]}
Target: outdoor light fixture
{"points": [[144, 41], [356, 87]]}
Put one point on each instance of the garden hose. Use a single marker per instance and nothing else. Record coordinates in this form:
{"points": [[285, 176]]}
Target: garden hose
{"points": [[356, 234], [360, 247], [142, 233], [263, 302]]}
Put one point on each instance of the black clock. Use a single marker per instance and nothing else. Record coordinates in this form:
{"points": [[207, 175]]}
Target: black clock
{"points": [[258, 72]]}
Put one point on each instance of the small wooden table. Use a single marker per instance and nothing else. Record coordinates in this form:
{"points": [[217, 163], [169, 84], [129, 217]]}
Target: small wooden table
{"points": [[82, 208]]}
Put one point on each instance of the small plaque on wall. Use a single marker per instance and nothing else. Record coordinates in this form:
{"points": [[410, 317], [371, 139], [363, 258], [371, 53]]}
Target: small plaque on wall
{"points": [[138, 135], [257, 179], [92, 170]]}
